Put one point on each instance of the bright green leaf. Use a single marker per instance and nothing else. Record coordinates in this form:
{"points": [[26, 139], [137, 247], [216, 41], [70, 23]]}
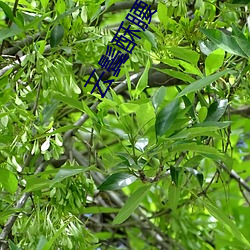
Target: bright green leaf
{"points": [[8, 180]]}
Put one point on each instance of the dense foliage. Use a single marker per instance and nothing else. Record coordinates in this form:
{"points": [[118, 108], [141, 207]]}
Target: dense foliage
{"points": [[161, 162]]}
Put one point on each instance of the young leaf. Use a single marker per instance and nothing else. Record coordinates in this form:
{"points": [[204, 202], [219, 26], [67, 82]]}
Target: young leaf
{"points": [[166, 117], [214, 61], [8, 180], [117, 181], [132, 203], [56, 35]]}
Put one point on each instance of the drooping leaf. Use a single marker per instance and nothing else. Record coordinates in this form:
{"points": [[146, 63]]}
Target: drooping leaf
{"points": [[197, 85], [49, 244], [117, 181], [216, 110], [7, 10], [174, 172], [166, 117], [56, 35], [131, 204], [173, 196], [229, 224], [8, 180]]}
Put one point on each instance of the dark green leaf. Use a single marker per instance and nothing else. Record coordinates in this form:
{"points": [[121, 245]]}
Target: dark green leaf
{"points": [[223, 41], [7, 10], [56, 35], [198, 175], [245, 2], [166, 117], [174, 172], [117, 181], [8, 180], [216, 110]]}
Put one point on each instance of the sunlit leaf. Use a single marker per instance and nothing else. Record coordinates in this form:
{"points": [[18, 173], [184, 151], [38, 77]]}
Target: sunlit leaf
{"points": [[8, 180]]}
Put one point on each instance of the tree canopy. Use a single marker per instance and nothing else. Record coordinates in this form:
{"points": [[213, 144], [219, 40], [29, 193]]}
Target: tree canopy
{"points": [[161, 161]]}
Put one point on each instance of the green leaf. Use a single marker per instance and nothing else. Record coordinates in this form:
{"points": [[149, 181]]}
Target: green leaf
{"points": [[162, 12], [117, 181], [186, 54], [198, 175], [98, 210], [13, 246], [8, 180], [70, 101], [35, 184], [227, 223], [173, 196], [177, 74], [223, 41], [166, 117], [56, 35], [9, 32], [193, 132], [197, 85], [216, 110], [7, 10], [174, 172], [49, 244], [202, 114], [41, 243], [158, 97], [132, 203], [245, 2], [143, 81], [219, 125], [214, 61], [66, 172]]}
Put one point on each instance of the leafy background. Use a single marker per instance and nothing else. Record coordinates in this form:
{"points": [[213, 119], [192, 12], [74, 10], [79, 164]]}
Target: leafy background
{"points": [[160, 163]]}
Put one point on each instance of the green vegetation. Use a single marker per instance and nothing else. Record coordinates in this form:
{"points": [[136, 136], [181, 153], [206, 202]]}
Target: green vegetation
{"points": [[161, 162]]}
